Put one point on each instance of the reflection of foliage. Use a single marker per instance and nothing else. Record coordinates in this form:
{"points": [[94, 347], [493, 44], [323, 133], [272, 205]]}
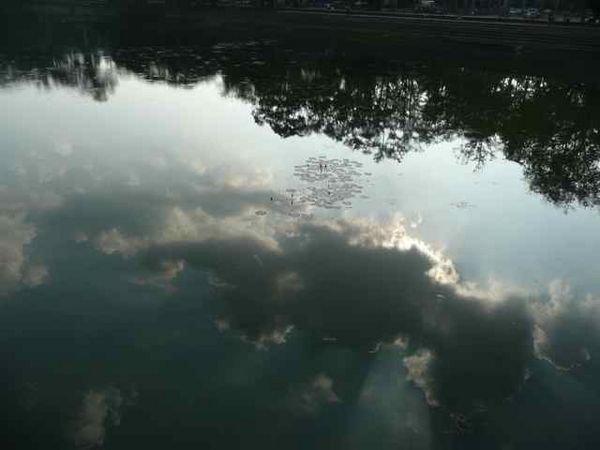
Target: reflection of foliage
{"points": [[549, 126], [560, 148], [92, 74], [382, 117]]}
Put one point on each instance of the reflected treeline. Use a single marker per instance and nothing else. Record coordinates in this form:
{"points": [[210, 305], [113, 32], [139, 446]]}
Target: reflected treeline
{"points": [[384, 107], [92, 74], [549, 126]]}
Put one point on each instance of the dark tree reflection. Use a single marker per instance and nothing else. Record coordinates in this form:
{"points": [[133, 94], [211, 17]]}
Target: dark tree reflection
{"points": [[383, 117], [92, 74], [550, 127], [388, 108]]}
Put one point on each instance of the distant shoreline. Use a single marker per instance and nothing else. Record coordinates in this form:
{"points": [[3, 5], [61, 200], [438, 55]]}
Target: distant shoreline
{"points": [[521, 38]]}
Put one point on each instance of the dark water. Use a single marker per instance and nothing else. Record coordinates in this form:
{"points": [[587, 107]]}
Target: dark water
{"points": [[252, 246]]}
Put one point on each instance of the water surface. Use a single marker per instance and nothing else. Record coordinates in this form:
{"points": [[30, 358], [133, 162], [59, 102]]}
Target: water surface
{"points": [[251, 245]]}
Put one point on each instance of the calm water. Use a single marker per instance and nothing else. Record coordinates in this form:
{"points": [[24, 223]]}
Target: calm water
{"points": [[248, 246]]}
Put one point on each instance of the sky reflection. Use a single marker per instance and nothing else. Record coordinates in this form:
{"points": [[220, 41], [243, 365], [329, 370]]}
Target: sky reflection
{"points": [[172, 270]]}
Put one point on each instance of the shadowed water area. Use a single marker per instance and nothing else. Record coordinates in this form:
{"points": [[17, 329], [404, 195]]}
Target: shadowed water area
{"points": [[253, 244]]}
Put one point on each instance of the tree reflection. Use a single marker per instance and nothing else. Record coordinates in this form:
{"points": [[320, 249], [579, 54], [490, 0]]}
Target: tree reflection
{"points": [[387, 108], [92, 74], [383, 117], [549, 126]]}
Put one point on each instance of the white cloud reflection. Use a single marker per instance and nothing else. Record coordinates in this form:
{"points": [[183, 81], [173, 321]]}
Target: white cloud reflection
{"points": [[313, 396], [99, 410], [15, 269]]}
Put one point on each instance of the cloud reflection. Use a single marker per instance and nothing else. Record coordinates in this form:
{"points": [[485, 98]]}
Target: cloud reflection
{"points": [[15, 270], [350, 283], [98, 409], [568, 327], [345, 283]]}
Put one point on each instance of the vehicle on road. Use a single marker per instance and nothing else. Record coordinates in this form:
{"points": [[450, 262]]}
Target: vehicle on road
{"points": [[515, 12]]}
